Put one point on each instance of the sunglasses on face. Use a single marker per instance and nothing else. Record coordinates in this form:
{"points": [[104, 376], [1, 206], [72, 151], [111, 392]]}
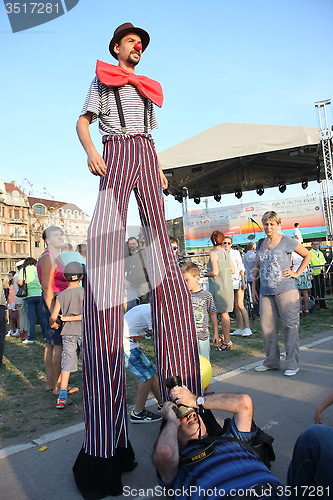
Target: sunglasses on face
{"points": [[175, 248], [227, 243]]}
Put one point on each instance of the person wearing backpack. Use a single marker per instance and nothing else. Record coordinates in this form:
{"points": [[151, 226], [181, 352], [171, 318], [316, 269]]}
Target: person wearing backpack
{"points": [[33, 301]]}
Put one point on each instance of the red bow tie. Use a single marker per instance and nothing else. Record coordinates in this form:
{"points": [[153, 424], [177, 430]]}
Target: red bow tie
{"points": [[115, 76]]}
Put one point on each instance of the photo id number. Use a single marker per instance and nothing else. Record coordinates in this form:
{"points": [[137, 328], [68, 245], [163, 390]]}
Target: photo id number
{"points": [[32, 8], [303, 491]]}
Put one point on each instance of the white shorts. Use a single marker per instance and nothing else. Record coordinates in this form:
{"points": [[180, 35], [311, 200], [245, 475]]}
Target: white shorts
{"points": [[204, 348]]}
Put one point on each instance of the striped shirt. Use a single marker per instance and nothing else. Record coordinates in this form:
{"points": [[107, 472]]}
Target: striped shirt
{"points": [[203, 305], [101, 102]]}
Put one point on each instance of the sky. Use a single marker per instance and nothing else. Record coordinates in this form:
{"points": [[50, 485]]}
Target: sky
{"points": [[264, 62]]}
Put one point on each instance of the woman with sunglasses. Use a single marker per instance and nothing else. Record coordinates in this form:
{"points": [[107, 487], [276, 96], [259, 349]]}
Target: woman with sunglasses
{"points": [[219, 269], [239, 285]]}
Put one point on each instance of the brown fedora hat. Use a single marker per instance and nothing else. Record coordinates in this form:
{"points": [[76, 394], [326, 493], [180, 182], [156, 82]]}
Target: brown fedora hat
{"points": [[122, 30]]}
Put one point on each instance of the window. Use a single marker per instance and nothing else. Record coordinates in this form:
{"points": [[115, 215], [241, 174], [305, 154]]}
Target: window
{"points": [[61, 212], [39, 209], [16, 213], [36, 244]]}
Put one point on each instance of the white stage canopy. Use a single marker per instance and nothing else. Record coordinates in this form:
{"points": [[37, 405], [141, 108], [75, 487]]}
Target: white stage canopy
{"points": [[236, 156]]}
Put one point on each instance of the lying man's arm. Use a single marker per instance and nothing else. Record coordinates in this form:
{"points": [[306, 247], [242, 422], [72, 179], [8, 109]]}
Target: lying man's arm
{"points": [[166, 452], [238, 404]]}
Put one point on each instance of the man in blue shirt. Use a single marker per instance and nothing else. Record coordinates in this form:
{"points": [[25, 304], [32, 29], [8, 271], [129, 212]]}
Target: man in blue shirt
{"points": [[190, 461]]}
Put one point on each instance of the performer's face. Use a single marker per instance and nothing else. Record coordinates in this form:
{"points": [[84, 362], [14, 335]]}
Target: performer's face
{"points": [[126, 51]]}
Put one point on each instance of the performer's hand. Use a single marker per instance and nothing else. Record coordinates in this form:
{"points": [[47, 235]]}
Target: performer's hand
{"points": [[96, 164], [164, 180]]}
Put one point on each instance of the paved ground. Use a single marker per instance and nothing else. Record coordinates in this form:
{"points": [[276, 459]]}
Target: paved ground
{"points": [[284, 406]]}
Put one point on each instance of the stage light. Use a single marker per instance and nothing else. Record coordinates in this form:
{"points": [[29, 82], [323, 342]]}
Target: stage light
{"points": [[217, 197], [304, 184], [282, 188], [260, 190], [179, 198], [238, 193], [196, 200]]}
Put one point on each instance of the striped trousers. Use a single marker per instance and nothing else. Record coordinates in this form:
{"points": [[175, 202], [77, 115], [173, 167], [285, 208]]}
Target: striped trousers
{"points": [[131, 165]]}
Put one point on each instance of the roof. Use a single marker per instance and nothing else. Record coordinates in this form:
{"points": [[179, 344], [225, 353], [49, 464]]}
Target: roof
{"points": [[54, 203], [233, 156], [10, 187]]}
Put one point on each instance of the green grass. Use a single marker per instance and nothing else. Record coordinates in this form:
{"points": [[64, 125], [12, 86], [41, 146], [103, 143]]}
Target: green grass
{"points": [[25, 407], [27, 410]]}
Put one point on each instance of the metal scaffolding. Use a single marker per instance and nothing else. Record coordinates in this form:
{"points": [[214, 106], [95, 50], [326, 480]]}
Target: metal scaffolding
{"points": [[326, 144]]}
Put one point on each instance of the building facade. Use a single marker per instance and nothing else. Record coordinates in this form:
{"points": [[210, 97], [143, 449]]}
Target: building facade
{"points": [[14, 226], [43, 213], [23, 219]]}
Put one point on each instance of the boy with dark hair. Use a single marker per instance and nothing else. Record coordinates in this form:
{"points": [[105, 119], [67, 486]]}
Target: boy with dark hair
{"points": [[203, 308], [69, 302]]}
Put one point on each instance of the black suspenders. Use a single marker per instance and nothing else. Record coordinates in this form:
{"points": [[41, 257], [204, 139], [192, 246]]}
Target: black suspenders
{"points": [[121, 114]]}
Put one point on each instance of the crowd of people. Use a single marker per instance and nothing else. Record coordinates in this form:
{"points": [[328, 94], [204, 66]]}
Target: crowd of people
{"points": [[50, 298], [263, 270]]}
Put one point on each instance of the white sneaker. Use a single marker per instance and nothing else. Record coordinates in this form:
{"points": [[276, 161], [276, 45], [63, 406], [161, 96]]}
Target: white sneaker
{"points": [[26, 341], [237, 332], [291, 373], [15, 333], [9, 334], [262, 368], [247, 332]]}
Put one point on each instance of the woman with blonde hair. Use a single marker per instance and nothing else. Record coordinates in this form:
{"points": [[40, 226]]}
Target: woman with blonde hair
{"points": [[279, 296], [219, 269]]}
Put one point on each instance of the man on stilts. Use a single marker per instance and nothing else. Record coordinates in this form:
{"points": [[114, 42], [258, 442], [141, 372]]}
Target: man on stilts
{"points": [[123, 104]]}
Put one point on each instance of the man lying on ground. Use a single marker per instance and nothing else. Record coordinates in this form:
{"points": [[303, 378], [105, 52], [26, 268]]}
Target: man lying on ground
{"points": [[192, 461]]}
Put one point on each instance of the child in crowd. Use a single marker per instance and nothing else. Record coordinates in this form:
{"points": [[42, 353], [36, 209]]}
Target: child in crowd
{"points": [[136, 321], [69, 302], [203, 307], [14, 330]]}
